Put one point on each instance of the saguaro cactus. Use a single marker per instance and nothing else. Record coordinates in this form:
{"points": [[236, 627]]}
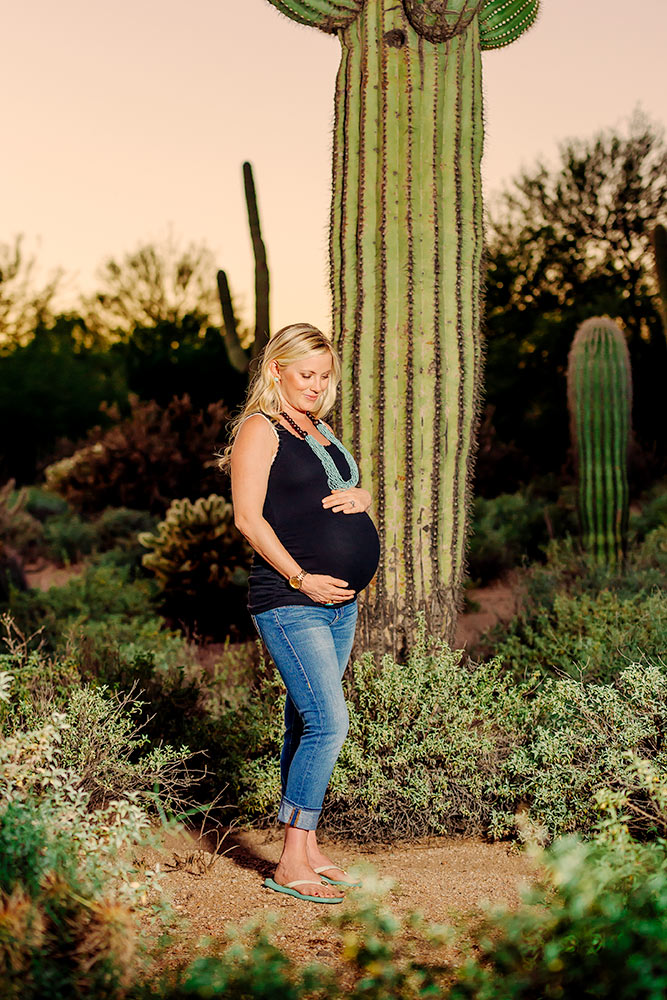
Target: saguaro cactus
{"points": [[405, 250], [599, 385]]}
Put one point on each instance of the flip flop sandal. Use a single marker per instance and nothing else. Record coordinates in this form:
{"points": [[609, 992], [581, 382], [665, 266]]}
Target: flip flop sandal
{"points": [[289, 890], [331, 881]]}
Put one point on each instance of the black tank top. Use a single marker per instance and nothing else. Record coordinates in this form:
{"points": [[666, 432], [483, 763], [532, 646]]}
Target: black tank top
{"points": [[342, 545]]}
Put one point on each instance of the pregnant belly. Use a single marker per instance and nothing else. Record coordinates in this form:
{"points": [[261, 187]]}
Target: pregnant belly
{"points": [[341, 545]]}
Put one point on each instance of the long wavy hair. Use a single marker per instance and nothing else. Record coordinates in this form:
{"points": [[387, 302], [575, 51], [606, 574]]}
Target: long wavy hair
{"points": [[292, 343]]}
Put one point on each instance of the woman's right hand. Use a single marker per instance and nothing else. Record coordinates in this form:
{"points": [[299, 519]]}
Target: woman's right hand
{"points": [[326, 589]]}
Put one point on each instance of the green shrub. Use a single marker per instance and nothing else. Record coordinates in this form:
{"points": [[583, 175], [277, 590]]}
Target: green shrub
{"points": [[144, 462], [68, 892], [653, 512], [440, 746], [68, 537], [201, 563], [578, 617], [102, 597], [588, 636], [594, 927], [512, 529]]}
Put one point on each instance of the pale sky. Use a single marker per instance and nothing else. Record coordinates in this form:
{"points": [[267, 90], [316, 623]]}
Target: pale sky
{"points": [[122, 121]]}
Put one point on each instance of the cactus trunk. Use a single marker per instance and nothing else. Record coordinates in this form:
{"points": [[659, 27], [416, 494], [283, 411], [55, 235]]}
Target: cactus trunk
{"points": [[600, 400], [406, 243]]}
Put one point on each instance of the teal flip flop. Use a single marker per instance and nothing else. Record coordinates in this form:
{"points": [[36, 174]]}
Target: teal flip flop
{"points": [[289, 890], [331, 881]]}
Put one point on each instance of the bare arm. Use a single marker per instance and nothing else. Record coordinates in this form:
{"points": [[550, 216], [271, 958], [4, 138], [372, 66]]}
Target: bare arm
{"points": [[254, 448]]}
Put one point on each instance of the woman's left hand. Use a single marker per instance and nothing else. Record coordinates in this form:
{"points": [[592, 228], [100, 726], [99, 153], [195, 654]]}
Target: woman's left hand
{"points": [[352, 501]]}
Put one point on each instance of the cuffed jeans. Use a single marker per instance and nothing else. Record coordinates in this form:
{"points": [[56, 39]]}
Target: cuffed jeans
{"points": [[311, 647]]}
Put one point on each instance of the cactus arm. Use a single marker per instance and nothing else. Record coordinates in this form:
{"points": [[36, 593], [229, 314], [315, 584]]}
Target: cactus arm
{"points": [[502, 21], [327, 15], [235, 353], [261, 266]]}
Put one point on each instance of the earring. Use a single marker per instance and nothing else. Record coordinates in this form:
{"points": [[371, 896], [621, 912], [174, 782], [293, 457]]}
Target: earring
{"points": [[276, 379]]}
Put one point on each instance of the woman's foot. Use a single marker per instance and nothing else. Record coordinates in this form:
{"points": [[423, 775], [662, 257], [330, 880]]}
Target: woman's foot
{"points": [[289, 871], [319, 860]]}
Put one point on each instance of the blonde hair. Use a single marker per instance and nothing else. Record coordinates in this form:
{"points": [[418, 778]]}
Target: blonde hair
{"points": [[292, 343]]}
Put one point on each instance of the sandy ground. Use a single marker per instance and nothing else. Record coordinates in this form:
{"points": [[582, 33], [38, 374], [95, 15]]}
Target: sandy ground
{"points": [[447, 880]]}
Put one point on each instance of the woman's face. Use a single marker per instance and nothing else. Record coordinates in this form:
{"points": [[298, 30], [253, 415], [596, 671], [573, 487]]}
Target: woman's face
{"points": [[302, 383]]}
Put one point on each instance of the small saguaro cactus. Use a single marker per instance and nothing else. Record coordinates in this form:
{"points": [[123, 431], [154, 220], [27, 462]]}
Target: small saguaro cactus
{"points": [[405, 250], [599, 385]]}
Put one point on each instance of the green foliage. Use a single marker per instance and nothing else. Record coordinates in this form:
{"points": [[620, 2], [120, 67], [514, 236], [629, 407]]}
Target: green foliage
{"points": [[588, 635], [599, 386], [156, 455], [68, 891], [581, 618], [201, 563], [593, 927], [511, 529], [104, 598]]}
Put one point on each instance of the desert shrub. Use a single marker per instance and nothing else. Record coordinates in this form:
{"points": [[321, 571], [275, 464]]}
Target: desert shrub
{"points": [[509, 530], [68, 537], [437, 745], [103, 597], [68, 889], [593, 927], [653, 513], [577, 616], [201, 563], [593, 636], [144, 462]]}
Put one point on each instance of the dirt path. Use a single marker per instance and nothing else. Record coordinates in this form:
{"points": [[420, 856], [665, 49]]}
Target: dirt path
{"points": [[443, 878]]}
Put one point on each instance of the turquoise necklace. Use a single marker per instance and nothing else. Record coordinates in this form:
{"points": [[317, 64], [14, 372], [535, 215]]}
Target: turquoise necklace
{"points": [[334, 478]]}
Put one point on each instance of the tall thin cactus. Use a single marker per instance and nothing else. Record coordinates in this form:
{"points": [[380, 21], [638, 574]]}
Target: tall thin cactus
{"points": [[599, 384], [405, 251], [238, 357]]}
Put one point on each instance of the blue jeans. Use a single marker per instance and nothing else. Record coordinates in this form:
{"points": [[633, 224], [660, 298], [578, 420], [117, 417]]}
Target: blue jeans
{"points": [[311, 647]]}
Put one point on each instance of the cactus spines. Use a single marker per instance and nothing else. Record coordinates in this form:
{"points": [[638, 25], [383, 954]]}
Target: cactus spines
{"points": [[405, 253], [659, 241], [502, 21], [327, 15], [599, 384]]}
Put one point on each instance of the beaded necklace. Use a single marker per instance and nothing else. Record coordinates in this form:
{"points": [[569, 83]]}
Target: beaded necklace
{"points": [[334, 478]]}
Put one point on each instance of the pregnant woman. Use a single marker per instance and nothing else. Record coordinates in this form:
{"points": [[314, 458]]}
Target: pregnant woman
{"points": [[297, 500]]}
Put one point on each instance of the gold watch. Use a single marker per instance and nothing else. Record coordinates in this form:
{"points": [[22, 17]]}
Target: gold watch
{"points": [[296, 581]]}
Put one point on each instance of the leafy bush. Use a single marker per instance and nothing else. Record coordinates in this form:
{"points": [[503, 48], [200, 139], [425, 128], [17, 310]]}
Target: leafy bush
{"points": [[593, 927], [144, 462], [585, 635], [68, 892], [510, 529], [201, 562], [653, 512], [577, 617], [439, 746]]}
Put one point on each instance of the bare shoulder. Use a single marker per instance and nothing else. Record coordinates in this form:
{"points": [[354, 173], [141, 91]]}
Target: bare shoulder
{"points": [[258, 434]]}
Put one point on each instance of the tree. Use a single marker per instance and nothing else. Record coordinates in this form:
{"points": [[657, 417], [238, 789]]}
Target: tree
{"points": [[158, 283], [23, 306], [564, 244]]}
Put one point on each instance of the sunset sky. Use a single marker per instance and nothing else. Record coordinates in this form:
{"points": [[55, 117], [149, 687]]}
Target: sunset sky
{"points": [[123, 121]]}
